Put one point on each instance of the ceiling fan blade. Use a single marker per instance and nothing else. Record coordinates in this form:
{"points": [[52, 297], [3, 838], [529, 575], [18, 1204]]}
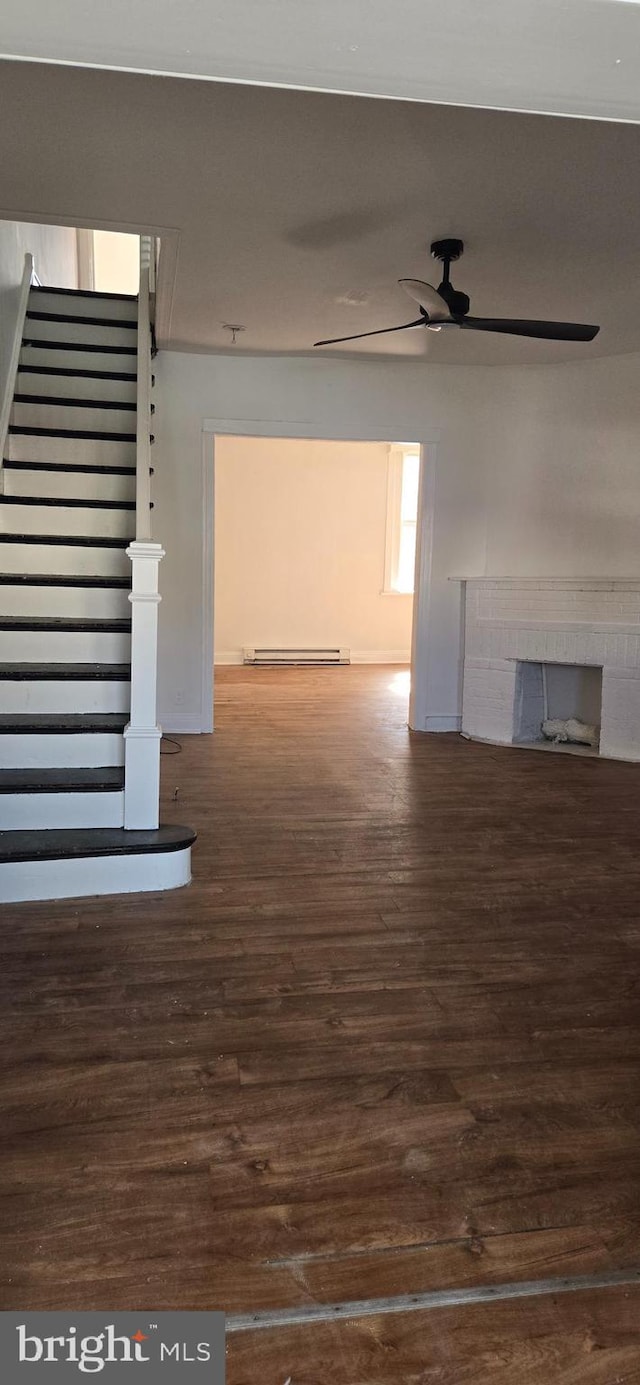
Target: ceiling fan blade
{"points": [[419, 322], [426, 295], [516, 327]]}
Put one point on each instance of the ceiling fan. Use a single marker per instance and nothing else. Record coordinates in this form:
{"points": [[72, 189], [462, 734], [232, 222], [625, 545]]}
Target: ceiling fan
{"points": [[447, 307]]}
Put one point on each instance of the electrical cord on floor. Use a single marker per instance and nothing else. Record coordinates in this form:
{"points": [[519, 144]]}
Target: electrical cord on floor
{"points": [[170, 741]]}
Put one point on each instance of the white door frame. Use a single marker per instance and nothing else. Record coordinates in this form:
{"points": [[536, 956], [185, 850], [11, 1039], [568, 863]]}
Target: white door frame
{"points": [[292, 428]]}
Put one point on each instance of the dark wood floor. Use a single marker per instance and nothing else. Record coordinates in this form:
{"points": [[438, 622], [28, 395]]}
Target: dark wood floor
{"points": [[388, 1041]]}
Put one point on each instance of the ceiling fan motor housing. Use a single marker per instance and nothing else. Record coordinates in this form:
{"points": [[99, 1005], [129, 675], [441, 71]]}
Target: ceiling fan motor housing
{"points": [[447, 251]]}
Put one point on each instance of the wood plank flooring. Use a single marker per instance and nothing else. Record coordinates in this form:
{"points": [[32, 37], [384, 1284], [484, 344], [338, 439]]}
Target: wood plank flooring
{"points": [[386, 1042]]}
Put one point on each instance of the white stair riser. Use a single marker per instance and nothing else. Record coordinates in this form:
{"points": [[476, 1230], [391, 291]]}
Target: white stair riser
{"points": [[78, 386], [76, 359], [67, 416], [68, 695], [84, 602], [98, 875], [60, 751], [43, 302], [81, 333], [22, 447], [58, 519], [59, 558], [60, 484], [32, 811], [64, 646]]}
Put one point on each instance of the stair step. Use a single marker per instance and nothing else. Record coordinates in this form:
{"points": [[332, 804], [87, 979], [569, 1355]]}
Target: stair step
{"points": [[44, 447], [85, 319], [83, 293], [62, 579], [105, 779], [78, 373], [67, 502], [58, 417], [70, 624], [72, 724], [73, 540], [47, 344], [62, 864], [71, 402], [44, 356], [97, 841], [70, 387], [69, 467], [99, 435], [64, 673], [79, 333]]}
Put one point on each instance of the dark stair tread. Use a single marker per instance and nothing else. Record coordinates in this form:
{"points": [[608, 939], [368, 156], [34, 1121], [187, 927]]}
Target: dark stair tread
{"points": [[129, 324], [61, 673], [60, 843], [67, 402], [99, 624], [106, 779], [79, 346], [84, 293], [88, 434], [62, 579], [69, 468], [68, 502], [68, 724], [67, 540], [76, 373]]}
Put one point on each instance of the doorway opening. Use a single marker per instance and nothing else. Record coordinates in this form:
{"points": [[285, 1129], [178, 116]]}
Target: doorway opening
{"points": [[316, 544]]}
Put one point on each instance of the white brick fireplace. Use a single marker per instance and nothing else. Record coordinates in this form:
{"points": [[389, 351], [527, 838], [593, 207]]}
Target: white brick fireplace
{"points": [[587, 627]]}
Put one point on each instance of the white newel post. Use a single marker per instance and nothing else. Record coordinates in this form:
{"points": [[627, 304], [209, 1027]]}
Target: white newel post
{"points": [[142, 735]]}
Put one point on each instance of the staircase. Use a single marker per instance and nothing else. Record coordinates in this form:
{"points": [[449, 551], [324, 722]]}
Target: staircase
{"points": [[67, 517]]}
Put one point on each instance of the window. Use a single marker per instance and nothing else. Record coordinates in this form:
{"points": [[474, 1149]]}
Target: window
{"points": [[402, 516]]}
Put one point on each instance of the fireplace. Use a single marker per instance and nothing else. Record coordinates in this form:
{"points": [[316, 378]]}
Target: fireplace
{"points": [[567, 645], [553, 701]]}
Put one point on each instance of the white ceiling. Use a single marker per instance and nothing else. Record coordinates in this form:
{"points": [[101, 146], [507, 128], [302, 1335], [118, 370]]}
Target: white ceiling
{"points": [[298, 211], [574, 57]]}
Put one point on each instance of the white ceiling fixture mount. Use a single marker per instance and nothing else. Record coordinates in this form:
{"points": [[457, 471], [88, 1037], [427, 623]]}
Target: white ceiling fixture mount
{"points": [[448, 307], [234, 328]]}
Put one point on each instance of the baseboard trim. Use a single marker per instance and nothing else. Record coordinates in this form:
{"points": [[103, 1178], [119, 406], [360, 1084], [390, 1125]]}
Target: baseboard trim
{"points": [[181, 723], [381, 656], [443, 723]]}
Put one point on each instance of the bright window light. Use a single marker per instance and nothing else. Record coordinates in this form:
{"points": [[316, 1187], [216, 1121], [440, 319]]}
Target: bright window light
{"points": [[402, 517]]}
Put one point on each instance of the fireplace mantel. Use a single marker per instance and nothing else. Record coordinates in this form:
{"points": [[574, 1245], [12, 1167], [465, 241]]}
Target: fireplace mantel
{"points": [[585, 621]]}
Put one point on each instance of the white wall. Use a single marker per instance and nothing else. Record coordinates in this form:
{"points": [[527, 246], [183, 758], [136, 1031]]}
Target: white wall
{"points": [[391, 400], [54, 252], [300, 530], [564, 491], [538, 473]]}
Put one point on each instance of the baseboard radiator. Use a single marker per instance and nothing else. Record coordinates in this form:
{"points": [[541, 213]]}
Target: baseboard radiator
{"points": [[296, 657]]}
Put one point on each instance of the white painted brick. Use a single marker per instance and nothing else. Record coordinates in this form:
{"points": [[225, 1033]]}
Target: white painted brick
{"points": [[590, 621]]}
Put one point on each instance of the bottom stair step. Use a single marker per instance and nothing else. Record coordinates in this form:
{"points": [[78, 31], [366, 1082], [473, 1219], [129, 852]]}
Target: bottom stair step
{"points": [[59, 864]]}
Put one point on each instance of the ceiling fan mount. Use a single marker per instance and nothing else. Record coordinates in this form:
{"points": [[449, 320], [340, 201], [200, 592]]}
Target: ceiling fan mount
{"points": [[447, 250], [447, 307]]}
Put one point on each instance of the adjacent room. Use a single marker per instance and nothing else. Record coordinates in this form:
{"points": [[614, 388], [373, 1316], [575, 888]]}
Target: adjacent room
{"points": [[315, 548], [318, 523]]}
